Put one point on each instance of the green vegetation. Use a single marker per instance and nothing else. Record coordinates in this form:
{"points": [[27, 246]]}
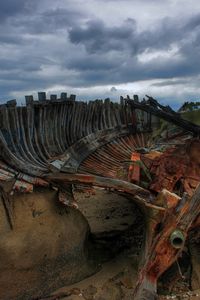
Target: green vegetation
{"points": [[190, 106], [193, 116]]}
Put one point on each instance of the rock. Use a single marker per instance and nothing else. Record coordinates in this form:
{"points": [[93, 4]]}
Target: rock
{"points": [[127, 282], [127, 279], [74, 297], [89, 292], [46, 248], [110, 291]]}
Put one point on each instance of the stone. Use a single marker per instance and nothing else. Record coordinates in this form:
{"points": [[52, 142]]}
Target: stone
{"points": [[89, 292], [46, 248], [110, 291]]}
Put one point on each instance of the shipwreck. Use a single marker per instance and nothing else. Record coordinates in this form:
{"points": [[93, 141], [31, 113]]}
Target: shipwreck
{"points": [[50, 148]]}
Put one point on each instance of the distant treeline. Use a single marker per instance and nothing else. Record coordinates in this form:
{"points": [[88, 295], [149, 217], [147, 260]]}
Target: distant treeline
{"points": [[190, 106]]}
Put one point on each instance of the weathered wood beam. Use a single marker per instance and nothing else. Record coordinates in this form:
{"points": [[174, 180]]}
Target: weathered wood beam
{"points": [[141, 196], [165, 113], [167, 244]]}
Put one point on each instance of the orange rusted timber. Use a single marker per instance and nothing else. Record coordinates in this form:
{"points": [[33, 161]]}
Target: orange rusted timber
{"points": [[134, 169], [177, 165], [167, 244]]}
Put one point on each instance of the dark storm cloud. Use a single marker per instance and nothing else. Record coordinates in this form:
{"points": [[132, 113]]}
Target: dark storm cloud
{"points": [[97, 37], [49, 21], [20, 64], [10, 8], [126, 43], [10, 39], [91, 63], [193, 23], [68, 43]]}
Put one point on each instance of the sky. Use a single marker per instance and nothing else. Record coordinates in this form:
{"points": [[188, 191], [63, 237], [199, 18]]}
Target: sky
{"points": [[100, 48]]}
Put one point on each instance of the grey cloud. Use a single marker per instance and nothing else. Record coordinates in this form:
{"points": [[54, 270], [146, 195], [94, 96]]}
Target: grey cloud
{"points": [[19, 64], [91, 62], [97, 37], [78, 49], [10, 8], [49, 21], [113, 89], [11, 39], [169, 83], [193, 23], [101, 40]]}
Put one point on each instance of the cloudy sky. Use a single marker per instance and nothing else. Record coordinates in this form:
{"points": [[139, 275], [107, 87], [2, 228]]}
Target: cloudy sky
{"points": [[100, 48]]}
